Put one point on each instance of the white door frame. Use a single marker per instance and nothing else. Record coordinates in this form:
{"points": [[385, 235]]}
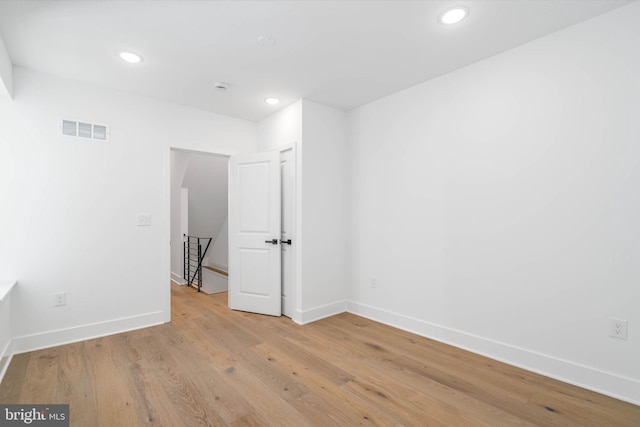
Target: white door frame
{"points": [[166, 220], [294, 248], [184, 228], [165, 274]]}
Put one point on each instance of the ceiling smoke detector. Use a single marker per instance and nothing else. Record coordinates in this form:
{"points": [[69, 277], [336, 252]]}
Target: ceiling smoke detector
{"points": [[221, 86]]}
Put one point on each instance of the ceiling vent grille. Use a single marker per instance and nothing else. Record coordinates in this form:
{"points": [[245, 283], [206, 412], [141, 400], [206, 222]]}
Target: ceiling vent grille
{"points": [[80, 129]]}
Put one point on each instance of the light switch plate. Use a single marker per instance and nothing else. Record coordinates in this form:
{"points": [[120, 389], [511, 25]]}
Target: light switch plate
{"points": [[144, 220]]}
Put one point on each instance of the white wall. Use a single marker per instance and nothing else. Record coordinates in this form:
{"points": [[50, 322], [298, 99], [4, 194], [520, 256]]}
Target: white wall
{"points": [[278, 130], [281, 128], [68, 221], [6, 72], [324, 215], [179, 160], [498, 206], [321, 203], [206, 178], [219, 252]]}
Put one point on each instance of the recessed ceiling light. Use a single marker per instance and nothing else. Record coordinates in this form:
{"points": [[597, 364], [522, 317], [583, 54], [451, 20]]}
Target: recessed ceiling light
{"points": [[271, 101], [454, 15], [130, 57]]}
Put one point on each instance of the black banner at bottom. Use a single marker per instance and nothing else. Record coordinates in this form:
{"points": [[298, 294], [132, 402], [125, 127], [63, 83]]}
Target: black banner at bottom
{"points": [[34, 415]]}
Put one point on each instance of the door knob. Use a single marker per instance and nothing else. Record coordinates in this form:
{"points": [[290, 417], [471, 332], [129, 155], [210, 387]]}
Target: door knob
{"points": [[288, 242], [272, 241]]}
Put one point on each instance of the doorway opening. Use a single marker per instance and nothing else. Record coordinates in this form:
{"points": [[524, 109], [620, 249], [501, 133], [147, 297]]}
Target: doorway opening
{"points": [[199, 212], [197, 177]]}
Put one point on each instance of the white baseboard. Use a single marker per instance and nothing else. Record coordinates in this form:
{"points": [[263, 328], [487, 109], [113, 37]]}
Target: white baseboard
{"points": [[85, 332], [317, 313], [178, 279], [606, 383], [5, 360]]}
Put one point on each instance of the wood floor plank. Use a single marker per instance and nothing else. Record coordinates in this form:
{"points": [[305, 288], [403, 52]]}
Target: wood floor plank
{"points": [[414, 364], [13, 380], [114, 399], [268, 406], [41, 380], [321, 383], [212, 366], [223, 401], [76, 386], [506, 387], [313, 407], [413, 391], [127, 355]]}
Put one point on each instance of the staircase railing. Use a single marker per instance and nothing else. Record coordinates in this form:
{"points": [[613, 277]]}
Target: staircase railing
{"points": [[193, 257]]}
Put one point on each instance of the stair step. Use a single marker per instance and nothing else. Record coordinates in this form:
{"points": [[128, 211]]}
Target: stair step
{"points": [[217, 270]]}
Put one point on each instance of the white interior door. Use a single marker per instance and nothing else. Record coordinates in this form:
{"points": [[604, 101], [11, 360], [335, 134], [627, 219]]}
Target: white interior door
{"points": [[287, 176], [254, 233]]}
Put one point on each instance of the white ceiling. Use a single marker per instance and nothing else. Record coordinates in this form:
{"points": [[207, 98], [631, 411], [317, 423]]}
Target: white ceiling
{"points": [[339, 53]]}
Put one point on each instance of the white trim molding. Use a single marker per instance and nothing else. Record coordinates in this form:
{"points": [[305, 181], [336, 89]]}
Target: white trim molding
{"points": [[85, 332], [5, 360], [317, 313], [6, 332], [6, 288], [177, 279]]}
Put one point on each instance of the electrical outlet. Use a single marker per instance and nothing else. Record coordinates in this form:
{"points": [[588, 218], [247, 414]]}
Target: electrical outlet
{"points": [[374, 282], [60, 299], [618, 328]]}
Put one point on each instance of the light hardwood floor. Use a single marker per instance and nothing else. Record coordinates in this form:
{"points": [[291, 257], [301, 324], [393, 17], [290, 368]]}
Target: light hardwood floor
{"points": [[213, 366]]}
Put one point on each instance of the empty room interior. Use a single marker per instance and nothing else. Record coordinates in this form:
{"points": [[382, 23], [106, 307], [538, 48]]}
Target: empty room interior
{"points": [[321, 212]]}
